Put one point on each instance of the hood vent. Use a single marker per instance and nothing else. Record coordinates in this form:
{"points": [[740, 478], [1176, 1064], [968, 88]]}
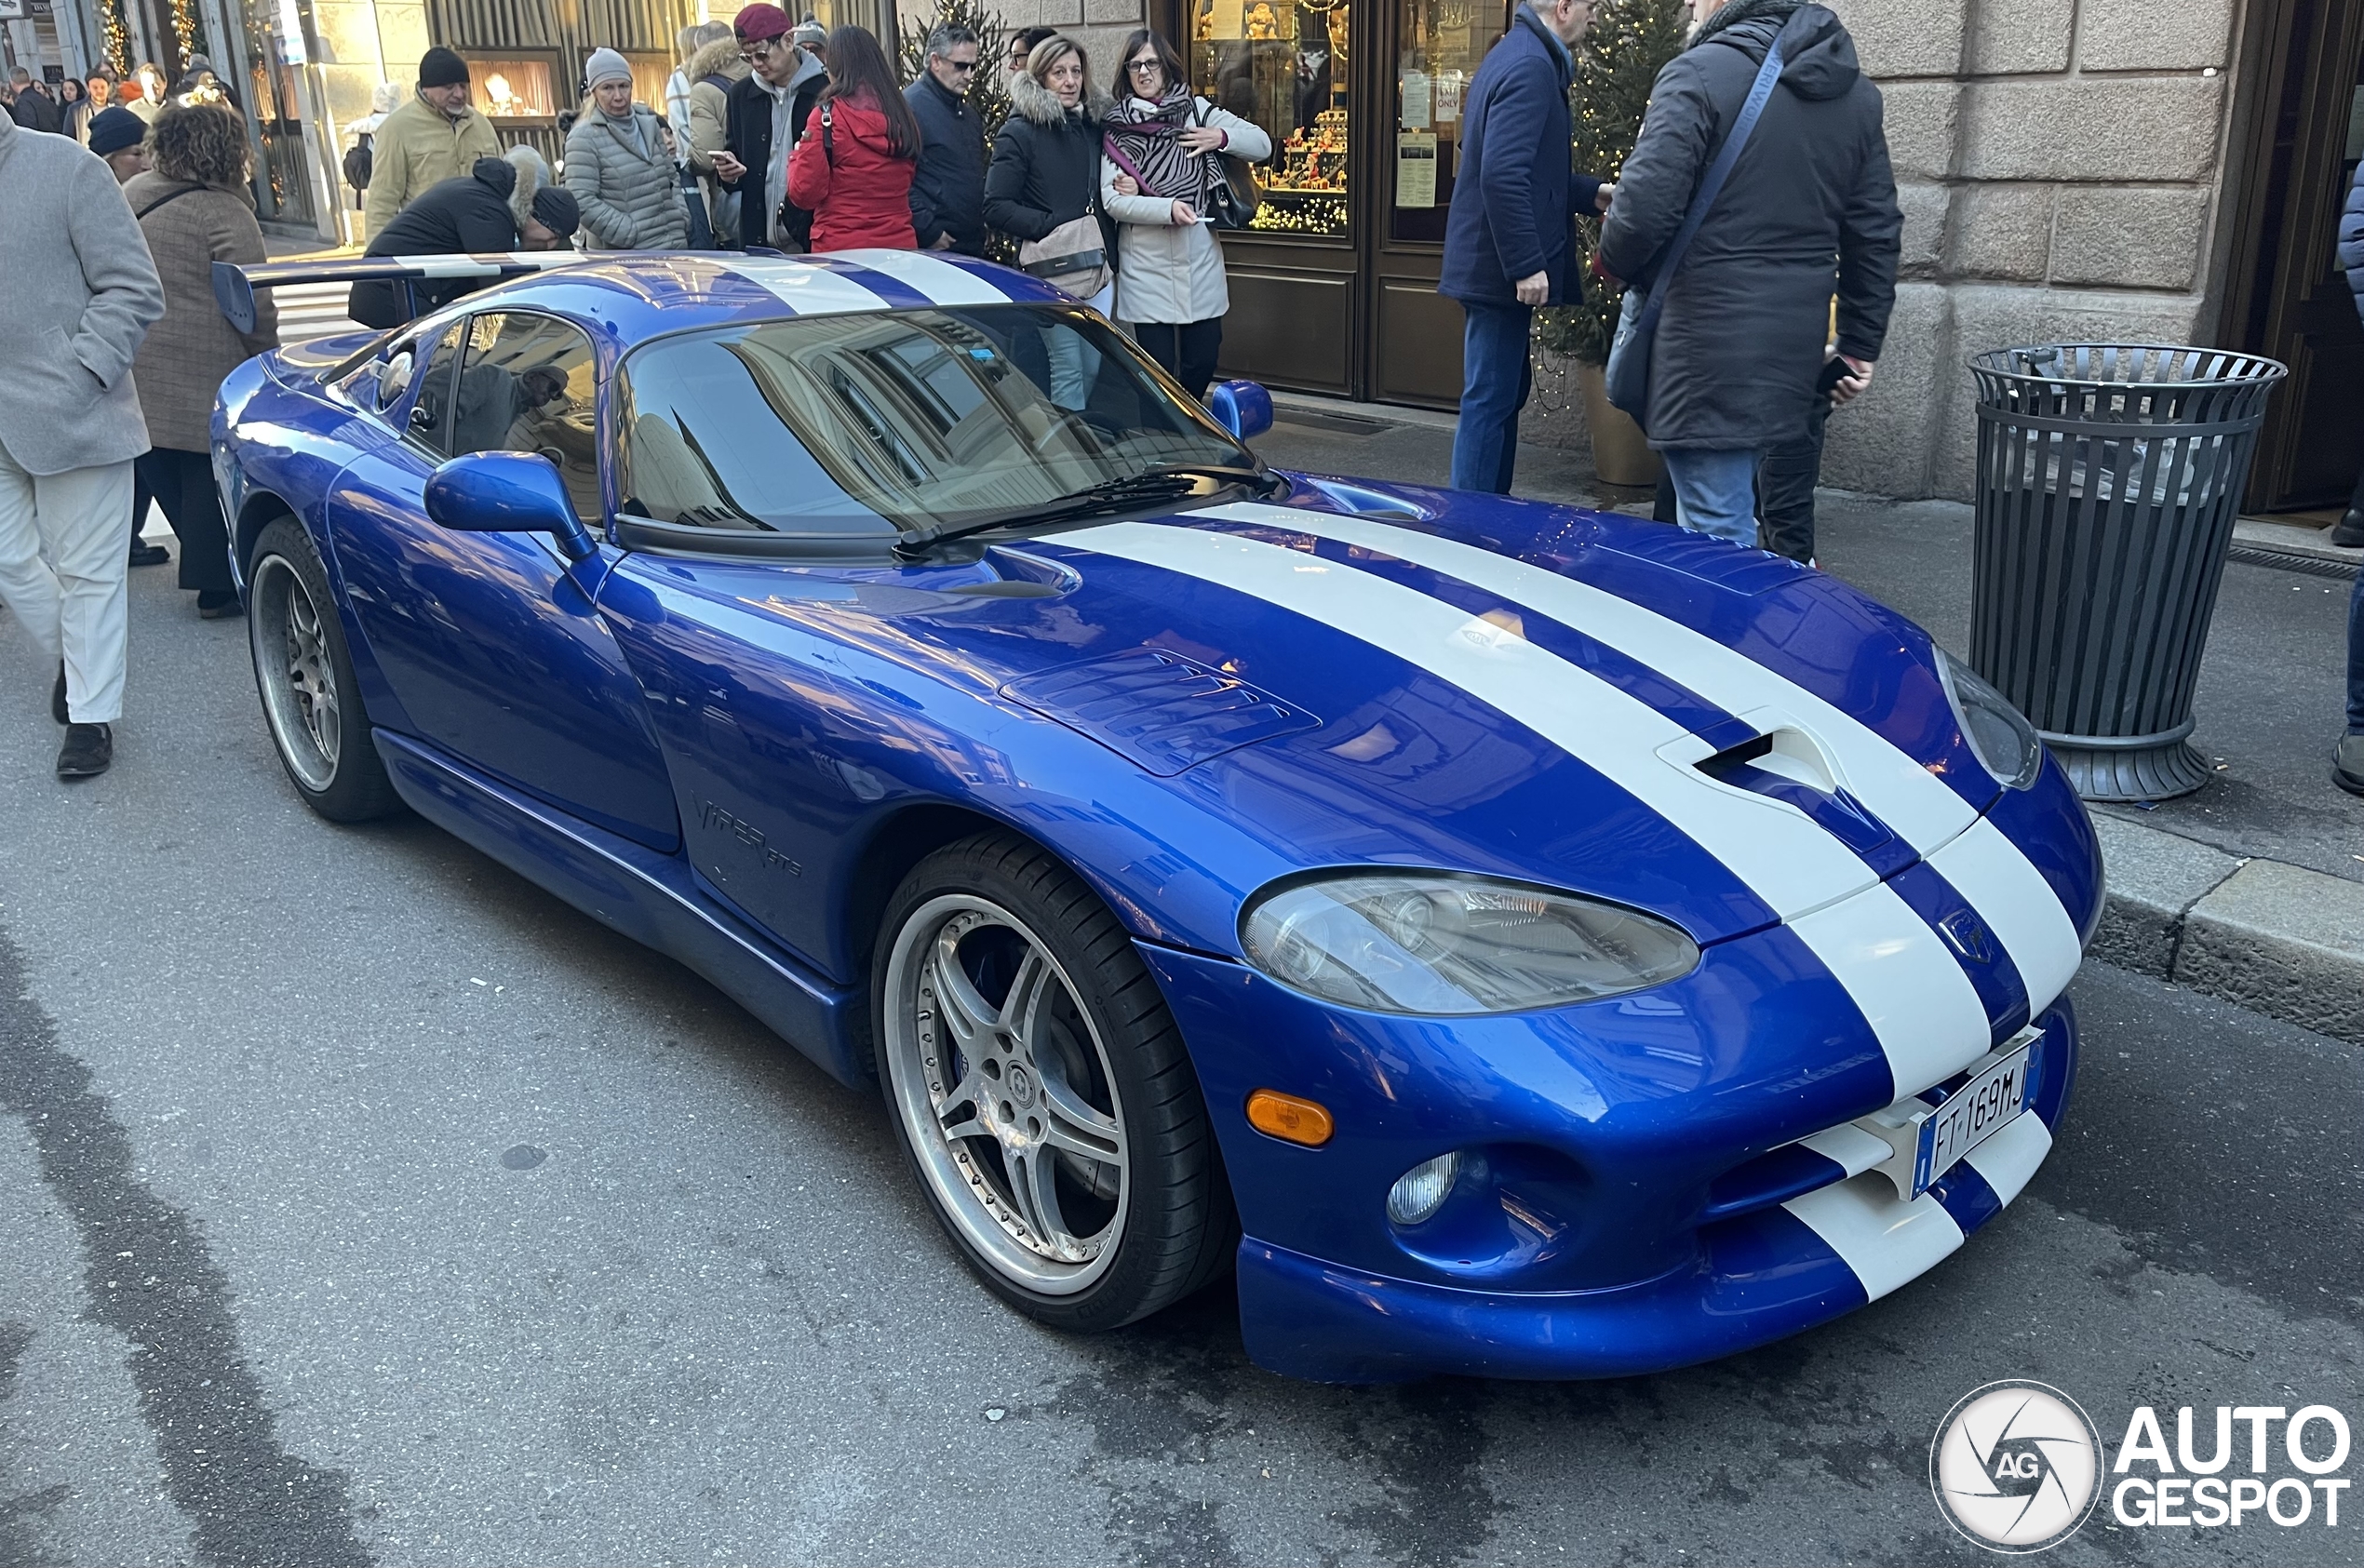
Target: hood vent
{"points": [[1158, 710]]}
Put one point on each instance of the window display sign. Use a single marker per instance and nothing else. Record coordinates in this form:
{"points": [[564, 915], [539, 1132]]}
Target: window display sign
{"points": [[1415, 168]]}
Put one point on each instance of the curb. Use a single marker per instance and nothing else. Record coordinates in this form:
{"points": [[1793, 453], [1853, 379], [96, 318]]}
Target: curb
{"points": [[2277, 939]]}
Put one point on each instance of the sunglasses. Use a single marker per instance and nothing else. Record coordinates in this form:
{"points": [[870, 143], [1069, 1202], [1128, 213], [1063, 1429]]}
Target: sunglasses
{"points": [[962, 65]]}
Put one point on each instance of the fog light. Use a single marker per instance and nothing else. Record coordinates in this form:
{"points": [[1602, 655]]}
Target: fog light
{"points": [[1421, 1191]]}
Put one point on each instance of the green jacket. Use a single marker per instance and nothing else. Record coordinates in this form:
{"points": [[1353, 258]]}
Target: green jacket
{"points": [[415, 148]]}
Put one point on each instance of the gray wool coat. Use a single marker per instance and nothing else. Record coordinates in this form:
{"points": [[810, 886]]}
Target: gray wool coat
{"points": [[631, 200], [78, 293]]}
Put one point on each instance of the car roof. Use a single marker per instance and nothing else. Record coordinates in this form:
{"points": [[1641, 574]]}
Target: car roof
{"points": [[632, 297]]}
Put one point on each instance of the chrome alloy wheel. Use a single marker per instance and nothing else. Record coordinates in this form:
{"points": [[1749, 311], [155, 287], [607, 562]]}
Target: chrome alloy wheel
{"points": [[298, 677], [1003, 1086]]}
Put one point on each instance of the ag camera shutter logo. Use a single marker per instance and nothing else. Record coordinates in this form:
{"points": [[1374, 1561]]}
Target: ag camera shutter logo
{"points": [[2016, 1467]]}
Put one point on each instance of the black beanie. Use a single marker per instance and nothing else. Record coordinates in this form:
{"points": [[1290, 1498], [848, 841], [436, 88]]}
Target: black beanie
{"points": [[554, 210], [440, 67]]}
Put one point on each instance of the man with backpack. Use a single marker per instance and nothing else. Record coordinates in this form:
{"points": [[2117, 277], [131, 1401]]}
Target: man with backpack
{"points": [[1807, 209], [434, 136]]}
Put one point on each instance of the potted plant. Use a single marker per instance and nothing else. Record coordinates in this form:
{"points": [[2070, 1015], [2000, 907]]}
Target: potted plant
{"points": [[1615, 69]]}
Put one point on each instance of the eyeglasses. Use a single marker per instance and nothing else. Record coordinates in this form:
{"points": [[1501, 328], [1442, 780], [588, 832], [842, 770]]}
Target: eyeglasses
{"points": [[760, 49], [1139, 66]]}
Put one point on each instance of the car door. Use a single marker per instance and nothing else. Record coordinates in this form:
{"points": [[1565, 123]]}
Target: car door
{"points": [[494, 648]]}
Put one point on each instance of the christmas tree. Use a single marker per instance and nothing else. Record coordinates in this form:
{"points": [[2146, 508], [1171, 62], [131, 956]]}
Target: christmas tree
{"points": [[1616, 66]]}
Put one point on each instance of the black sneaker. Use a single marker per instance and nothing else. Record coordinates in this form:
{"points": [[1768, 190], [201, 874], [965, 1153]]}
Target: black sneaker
{"points": [[2347, 764], [57, 699], [88, 751], [2349, 532], [149, 555]]}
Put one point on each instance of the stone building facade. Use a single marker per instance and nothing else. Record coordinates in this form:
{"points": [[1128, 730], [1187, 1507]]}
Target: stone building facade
{"points": [[2061, 165]]}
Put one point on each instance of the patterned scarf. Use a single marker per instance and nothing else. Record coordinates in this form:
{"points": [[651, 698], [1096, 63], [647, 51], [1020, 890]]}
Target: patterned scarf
{"points": [[1147, 140]]}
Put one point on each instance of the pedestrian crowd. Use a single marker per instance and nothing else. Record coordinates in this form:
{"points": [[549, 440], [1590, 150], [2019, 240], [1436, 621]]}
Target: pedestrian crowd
{"points": [[1755, 230]]}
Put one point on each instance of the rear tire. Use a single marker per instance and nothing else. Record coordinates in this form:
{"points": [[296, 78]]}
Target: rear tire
{"points": [[304, 675], [1039, 1087]]}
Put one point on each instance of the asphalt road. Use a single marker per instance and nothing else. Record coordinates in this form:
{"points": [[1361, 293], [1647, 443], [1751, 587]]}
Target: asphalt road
{"points": [[360, 1202]]}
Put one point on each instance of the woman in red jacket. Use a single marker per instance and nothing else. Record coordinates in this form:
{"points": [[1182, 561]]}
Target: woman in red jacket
{"points": [[853, 168]]}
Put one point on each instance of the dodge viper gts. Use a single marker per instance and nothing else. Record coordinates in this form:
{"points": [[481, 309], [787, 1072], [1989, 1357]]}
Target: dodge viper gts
{"points": [[1508, 938]]}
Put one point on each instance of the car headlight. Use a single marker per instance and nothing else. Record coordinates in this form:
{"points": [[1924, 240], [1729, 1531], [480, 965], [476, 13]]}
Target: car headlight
{"points": [[1437, 942], [2002, 739]]}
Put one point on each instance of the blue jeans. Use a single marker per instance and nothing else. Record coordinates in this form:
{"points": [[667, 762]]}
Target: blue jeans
{"points": [[1716, 492], [1496, 376], [2355, 658]]}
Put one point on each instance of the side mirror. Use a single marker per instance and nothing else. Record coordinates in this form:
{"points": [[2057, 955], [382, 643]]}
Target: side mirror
{"points": [[1242, 408], [507, 492]]}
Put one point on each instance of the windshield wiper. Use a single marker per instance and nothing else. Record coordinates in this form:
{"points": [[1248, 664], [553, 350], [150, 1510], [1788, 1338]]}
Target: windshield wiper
{"points": [[1108, 495]]}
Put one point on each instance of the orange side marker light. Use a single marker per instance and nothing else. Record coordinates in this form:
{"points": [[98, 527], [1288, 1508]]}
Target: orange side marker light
{"points": [[1289, 1119]]}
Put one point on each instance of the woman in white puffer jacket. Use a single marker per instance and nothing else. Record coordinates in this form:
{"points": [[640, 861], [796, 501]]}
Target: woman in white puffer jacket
{"points": [[1162, 159]]}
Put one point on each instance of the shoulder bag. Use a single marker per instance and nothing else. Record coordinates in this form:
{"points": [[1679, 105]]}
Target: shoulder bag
{"points": [[1232, 195], [1628, 369], [1073, 258]]}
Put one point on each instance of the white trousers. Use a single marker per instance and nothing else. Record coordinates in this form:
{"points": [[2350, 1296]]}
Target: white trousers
{"points": [[61, 566]]}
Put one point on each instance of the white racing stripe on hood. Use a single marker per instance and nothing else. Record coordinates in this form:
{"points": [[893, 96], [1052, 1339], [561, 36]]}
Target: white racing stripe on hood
{"points": [[943, 282], [1921, 1010], [1985, 867], [1899, 790], [809, 291]]}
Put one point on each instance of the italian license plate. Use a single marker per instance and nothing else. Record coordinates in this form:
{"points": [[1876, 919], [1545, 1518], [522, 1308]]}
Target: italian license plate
{"points": [[1970, 1115]]}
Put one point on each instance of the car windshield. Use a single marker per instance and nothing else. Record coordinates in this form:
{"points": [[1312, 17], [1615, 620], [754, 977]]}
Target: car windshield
{"points": [[843, 427]]}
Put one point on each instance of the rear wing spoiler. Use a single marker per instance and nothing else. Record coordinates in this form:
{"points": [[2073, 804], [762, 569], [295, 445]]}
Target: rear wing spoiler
{"points": [[234, 285]]}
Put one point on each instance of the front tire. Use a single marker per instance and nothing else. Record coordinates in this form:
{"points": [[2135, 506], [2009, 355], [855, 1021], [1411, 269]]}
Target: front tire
{"points": [[1039, 1085], [305, 674]]}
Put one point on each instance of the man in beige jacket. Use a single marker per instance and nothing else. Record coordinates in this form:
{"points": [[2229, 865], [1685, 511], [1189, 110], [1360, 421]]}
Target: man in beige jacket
{"points": [[434, 136]]}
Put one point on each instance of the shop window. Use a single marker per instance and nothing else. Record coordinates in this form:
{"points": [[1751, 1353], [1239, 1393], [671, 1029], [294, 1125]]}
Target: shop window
{"points": [[511, 89], [1283, 66], [1438, 48]]}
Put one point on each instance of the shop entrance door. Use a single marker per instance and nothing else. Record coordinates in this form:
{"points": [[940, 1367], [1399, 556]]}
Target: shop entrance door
{"points": [[1334, 288], [2288, 298]]}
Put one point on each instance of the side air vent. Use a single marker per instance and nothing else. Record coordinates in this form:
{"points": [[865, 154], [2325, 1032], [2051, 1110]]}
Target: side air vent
{"points": [[1158, 710]]}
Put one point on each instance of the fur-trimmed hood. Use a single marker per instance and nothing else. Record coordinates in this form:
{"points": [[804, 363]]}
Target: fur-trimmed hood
{"points": [[530, 174], [719, 57], [1032, 100]]}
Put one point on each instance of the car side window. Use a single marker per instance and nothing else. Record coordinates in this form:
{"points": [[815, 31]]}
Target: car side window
{"points": [[529, 383], [430, 424]]}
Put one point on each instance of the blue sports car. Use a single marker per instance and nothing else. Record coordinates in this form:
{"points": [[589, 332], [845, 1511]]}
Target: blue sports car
{"points": [[1513, 940]]}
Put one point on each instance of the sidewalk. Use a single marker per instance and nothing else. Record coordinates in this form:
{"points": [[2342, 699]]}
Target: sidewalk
{"points": [[2252, 890]]}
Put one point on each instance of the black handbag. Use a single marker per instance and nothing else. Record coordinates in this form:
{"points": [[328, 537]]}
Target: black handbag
{"points": [[1234, 194]]}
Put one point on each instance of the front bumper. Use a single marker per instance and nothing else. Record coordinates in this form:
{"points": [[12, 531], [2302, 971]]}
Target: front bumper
{"points": [[1754, 1279], [1642, 1204]]}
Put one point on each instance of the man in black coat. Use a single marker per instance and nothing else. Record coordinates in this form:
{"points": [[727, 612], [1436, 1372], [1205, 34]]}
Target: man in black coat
{"points": [[948, 189], [1508, 233], [475, 213], [766, 116], [1808, 212], [34, 108]]}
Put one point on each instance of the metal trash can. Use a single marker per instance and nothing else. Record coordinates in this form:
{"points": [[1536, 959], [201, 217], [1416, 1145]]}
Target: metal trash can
{"points": [[2109, 477]]}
